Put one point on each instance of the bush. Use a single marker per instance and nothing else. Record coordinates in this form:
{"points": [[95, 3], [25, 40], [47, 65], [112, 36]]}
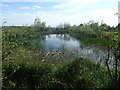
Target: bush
{"points": [[32, 75], [25, 74], [68, 76], [112, 82]]}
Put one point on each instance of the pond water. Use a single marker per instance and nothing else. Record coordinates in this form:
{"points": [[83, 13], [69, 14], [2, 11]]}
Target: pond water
{"points": [[72, 47]]}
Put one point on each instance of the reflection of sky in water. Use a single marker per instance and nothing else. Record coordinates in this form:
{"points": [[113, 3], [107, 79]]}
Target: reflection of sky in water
{"points": [[75, 47], [55, 42]]}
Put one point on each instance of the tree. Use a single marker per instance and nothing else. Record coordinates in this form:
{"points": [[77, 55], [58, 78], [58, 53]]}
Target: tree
{"points": [[117, 57], [39, 25], [37, 22], [66, 26], [43, 25], [60, 26], [80, 25]]}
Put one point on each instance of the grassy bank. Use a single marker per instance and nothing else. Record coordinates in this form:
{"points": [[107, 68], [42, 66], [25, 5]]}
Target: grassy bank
{"points": [[93, 33], [26, 67], [93, 40], [32, 75]]}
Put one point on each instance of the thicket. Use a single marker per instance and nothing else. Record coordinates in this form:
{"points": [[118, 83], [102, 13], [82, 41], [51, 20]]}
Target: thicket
{"points": [[79, 73], [22, 66]]}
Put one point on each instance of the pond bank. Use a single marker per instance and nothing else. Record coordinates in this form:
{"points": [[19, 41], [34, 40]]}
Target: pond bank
{"points": [[71, 47], [77, 73]]}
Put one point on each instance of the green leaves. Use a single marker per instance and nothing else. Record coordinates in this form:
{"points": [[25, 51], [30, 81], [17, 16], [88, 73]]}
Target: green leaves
{"points": [[81, 73], [17, 73]]}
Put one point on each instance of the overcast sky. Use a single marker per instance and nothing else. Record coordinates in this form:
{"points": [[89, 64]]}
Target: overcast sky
{"points": [[54, 12]]}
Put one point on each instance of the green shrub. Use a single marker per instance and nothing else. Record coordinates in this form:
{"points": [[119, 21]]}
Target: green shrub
{"points": [[79, 73], [113, 83], [26, 74], [69, 76]]}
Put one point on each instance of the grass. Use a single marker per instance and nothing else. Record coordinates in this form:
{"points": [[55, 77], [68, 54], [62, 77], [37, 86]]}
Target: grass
{"points": [[23, 67], [25, 74], [77, 73], [93, 40]]}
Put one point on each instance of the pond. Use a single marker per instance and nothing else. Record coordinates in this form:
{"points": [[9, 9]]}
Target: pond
{"points": [[71, 47]]}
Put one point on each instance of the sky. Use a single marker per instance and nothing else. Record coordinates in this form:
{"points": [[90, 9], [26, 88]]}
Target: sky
{"points": [[55, 12]]}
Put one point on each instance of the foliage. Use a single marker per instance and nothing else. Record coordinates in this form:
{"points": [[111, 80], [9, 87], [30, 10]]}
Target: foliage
{"points": [[39, 25], [79, 73], [24, 66], [14, 38], [25, 74], [93, 33]]}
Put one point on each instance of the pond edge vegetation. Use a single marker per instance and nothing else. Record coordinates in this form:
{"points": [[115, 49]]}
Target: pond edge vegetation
{"points": [[20, 71]]}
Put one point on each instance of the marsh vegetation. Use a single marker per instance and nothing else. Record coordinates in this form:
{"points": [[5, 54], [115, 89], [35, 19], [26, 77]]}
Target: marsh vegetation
{"points": [[84, 56]]}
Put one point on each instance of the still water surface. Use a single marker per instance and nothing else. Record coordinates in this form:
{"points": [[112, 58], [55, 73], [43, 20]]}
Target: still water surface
{"points": [[73, 47]]}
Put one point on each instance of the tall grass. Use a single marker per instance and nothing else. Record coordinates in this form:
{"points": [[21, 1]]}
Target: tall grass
{"points": [[32, 75], [24, 69], [91, 39], [26, 75]]}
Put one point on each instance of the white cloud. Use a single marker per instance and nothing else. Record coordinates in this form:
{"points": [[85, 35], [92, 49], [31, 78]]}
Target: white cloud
{"points": [[37, 7], [3, 5], [24, 7], [74, 5], [104, 14], [53, 19], [34, 0], [66, 13], [32, 7], [18, 19]]}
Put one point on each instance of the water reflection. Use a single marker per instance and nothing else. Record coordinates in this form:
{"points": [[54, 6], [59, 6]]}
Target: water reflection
{"points": [[71, 47], [55, 42]]}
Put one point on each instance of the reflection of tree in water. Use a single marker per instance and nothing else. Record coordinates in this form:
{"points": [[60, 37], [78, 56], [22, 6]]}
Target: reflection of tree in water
{"points": [[37, 42], [42, 37], [64, 37], [49, 36], [66, 50]]}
